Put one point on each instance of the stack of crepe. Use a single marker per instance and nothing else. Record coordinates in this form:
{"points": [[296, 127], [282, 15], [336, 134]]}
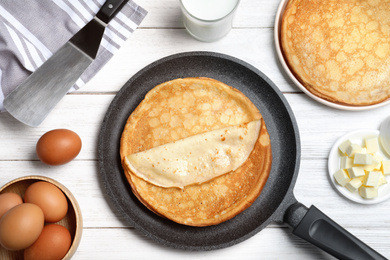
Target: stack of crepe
{"points": [[339, 50], [196, 151]]}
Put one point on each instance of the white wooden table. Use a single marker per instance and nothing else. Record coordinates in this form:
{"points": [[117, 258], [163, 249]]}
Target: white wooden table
{"points": [[105, 234]]}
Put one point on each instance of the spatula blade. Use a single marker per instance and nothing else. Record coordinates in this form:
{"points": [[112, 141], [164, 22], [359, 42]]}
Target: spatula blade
{"points": [[43, 89], [33, 100]]}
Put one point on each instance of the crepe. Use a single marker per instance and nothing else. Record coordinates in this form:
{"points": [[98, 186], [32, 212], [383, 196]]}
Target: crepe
{"points": [[181, 109], [339, 50], [196, 159]]}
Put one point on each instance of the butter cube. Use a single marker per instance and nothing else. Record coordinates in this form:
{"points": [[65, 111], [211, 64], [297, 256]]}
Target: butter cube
{"points": [[373, 179], [353, 185], [362, 178], [363, 159], [344, 145], [386, 167], [372, 145], [346, 162], [376, 163], [382, 180], [355, 172], [341, 177], [368, 192], [352, 149]]}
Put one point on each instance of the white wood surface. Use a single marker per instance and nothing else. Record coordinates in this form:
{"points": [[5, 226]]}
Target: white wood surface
{"points": [[105, 234]]}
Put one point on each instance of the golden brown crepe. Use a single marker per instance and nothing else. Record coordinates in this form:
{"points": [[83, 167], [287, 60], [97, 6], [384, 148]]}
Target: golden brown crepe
{"points": [[339, 50], [196, 159], [184, 108]]}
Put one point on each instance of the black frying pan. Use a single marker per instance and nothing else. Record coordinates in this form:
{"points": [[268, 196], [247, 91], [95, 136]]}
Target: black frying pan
{"points": [[276, 203]]}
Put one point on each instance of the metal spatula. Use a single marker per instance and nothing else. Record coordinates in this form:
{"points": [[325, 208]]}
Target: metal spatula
{"points": [[33, 100]]}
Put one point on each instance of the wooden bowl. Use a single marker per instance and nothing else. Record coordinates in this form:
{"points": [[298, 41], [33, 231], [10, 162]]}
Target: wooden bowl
{"points": [[72, 221]]}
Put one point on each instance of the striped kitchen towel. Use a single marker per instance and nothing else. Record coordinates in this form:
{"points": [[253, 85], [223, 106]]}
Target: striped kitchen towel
{"points": [[31, 31]]}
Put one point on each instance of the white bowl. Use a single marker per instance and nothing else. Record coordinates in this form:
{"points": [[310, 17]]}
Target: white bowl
{"points": [[334, 164], [278, 21]]}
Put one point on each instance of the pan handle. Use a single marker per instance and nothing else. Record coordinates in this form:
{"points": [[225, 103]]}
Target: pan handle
{"points": [[315, 227]]}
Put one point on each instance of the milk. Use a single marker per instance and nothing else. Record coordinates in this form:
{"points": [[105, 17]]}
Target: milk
{"points": [[208, 20], [209, 9]]}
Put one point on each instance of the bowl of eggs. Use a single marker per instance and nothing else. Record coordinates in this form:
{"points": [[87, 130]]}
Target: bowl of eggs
{"points": [[39, 219]]}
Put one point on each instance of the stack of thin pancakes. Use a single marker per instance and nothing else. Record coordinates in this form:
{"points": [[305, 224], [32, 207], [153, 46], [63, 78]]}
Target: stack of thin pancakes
{"points": [[339, 49], [186, 116]]}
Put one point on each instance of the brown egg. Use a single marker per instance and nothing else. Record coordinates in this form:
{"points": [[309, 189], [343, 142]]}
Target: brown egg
{"points": [[49, 198], [21, 226], [53, 243], [9, 200], [58, 146]]}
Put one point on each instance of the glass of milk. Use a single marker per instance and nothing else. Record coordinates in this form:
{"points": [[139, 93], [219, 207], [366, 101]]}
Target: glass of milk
{"points": [[208, 20]]}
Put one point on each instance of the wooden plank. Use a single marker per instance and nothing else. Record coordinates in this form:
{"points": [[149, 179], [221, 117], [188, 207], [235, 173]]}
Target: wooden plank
{"points": [[147, 46], [271, 243], [106, 235], [312, 188], [167, 14], [319, 125]]}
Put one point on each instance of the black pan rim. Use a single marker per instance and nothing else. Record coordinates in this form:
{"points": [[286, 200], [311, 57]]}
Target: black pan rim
{"points": [[276, 216]]}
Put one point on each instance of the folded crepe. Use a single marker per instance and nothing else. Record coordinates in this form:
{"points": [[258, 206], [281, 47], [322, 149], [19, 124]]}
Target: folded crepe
{"points": [[196, 151]]}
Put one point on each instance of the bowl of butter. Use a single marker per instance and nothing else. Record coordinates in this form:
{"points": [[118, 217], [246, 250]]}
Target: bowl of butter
{"points": [[359, 167]]}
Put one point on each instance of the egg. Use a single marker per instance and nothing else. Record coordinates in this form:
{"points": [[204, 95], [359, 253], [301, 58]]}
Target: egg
{"points": [[21, 226], [58, 146], [49, 198], [53, 243], [9, 200]]}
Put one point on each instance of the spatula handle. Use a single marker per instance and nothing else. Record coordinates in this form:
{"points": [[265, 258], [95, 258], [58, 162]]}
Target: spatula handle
{"points": [[109, 9]]}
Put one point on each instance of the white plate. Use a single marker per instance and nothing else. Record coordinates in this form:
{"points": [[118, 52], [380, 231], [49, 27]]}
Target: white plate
{"points": [[334, 165], [278, 20]]}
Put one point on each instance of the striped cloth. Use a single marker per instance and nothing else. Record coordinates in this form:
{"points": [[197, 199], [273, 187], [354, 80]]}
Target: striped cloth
{"points": [[31, 31]]}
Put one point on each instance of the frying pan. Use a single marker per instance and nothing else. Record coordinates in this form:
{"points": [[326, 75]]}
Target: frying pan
{"points": [[276, 202]]}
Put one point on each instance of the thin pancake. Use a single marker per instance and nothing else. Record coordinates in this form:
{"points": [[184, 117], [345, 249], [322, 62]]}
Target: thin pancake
{"points": [[196, 159], [185, 107], [339, 50]]}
